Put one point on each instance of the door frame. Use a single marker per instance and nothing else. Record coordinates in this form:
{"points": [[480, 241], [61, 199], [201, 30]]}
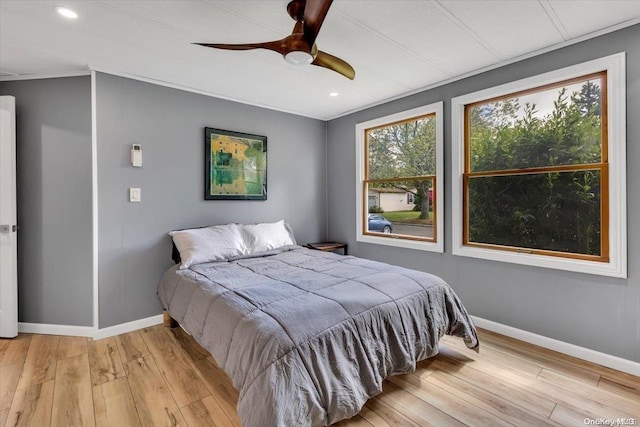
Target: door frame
{"points": [[8, 220]]}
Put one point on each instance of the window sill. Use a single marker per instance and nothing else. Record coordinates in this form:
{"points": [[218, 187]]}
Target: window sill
{"points": [[399, 242], [609, 269]]}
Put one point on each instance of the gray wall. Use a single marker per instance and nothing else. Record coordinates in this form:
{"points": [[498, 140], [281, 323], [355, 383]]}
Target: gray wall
{"points": [[54, 199], [590, 311], [134, 249]]}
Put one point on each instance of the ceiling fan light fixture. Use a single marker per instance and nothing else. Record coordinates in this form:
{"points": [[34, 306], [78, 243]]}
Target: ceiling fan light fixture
{"points": [[298, 57], [299, 47]]}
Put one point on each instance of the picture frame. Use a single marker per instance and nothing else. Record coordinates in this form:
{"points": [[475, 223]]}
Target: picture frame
{"points": [[235, 165]]}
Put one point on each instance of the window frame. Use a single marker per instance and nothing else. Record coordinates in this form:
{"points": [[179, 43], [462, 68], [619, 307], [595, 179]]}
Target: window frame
{"points": [[362, 235], [613, 158]]}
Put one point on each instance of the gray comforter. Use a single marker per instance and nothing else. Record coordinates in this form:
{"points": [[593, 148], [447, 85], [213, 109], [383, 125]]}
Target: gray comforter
{"points": [[308, 336]]}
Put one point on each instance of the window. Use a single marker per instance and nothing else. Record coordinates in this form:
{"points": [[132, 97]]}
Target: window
{"points": [[399, 187], [539, 167]]}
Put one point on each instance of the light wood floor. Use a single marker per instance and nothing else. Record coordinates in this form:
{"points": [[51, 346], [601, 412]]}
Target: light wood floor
{"points": [[160, 377]]}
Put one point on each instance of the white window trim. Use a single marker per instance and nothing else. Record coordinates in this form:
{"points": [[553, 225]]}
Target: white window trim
{"points": [[616, 99], [437, 246]]}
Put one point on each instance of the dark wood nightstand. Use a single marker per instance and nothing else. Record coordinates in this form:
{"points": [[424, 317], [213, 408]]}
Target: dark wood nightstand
{"points": [[328, 246]]}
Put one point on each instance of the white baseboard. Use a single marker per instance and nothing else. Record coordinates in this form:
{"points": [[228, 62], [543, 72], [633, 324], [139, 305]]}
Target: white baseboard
{"points": [[88, 331], [48, 329], [127, 327], [583, 353]]}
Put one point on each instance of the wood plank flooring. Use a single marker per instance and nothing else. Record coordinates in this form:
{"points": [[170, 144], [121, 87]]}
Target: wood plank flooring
{"points": [[160, 376]]}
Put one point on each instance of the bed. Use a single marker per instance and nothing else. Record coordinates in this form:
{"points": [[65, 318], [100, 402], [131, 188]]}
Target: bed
{"points": [[307, 337]]}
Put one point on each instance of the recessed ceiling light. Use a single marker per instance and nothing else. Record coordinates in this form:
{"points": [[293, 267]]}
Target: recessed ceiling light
{"points": [[333, 93], [67, 13]]}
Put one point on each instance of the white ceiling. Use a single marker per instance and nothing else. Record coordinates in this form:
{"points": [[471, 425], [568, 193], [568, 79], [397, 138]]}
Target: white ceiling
{"points": [[396, 47]]}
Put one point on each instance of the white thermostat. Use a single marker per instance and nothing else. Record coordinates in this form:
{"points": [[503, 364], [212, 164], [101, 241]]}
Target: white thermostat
{"points": [[136, 155]]}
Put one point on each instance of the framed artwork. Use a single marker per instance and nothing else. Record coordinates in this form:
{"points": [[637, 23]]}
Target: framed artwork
{"points": [[235, 165]]}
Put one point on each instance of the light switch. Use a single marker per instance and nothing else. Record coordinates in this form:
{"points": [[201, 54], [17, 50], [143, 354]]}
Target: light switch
{"points": [[135, 195]]}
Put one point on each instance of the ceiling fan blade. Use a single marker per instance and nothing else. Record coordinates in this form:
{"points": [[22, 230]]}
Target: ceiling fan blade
{"points": [[314, 13], [334, 63], [276, 46]]}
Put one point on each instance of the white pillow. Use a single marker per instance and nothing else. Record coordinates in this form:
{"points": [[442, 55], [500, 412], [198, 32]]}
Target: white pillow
{"points": [[266, 236], [215, 243]]}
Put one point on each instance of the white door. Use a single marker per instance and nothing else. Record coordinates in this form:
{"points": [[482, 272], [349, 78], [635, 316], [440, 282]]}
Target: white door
{"points": [[8, 235]]}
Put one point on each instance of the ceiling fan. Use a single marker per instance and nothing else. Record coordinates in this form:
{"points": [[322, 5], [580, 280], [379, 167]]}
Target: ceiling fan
{"points": [[299, 48]]}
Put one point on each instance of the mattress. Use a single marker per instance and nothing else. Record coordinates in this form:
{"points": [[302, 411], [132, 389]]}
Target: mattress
{"points": [[307, 337]]}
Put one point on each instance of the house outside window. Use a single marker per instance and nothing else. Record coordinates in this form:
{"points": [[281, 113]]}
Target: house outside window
{"points": [[399, 186], [410, 198], [539, 167]]}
